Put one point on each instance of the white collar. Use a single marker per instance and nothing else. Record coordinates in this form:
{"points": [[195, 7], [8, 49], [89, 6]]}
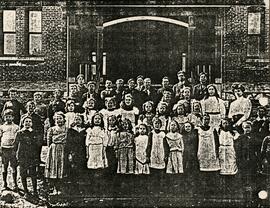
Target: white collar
{"points": [[23, 129], [259, 119]]}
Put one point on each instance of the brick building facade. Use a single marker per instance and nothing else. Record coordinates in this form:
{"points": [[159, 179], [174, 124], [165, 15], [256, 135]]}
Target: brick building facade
{"points": [[45, 69], [196, 35]]}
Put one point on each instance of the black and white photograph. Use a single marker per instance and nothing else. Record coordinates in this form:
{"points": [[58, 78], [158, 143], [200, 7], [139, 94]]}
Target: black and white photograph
{"points": [[134, 103]]}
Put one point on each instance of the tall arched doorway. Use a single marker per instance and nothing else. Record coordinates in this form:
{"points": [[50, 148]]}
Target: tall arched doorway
{"points": [[153, 47]]}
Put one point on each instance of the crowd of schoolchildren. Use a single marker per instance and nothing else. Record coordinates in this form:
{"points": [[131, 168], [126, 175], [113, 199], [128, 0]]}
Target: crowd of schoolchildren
{"points": [[184, 131]]}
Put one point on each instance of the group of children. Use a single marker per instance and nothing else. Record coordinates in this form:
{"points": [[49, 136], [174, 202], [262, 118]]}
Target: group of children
{"points": [[173, 131]]}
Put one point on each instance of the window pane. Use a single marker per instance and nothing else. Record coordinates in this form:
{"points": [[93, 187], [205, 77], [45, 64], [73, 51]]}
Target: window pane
{"points": [[34, 21], [35, 44], [254, 23], [9, 44], [9, 19]]}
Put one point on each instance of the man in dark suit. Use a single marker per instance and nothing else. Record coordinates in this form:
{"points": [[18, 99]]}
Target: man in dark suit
{"points": [[149, 90], [199, 90]]}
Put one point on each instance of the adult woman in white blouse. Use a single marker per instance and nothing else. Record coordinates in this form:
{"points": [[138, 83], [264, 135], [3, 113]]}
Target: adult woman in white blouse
{"points": [[240, 108], [213, 106]]}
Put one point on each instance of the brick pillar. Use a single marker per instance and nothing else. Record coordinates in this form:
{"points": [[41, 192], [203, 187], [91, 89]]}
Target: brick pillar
{"points": [[21, 32]]}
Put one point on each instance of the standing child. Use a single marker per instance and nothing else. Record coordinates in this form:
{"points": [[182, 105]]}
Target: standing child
{"points": [[95, 144], [37, 127], [111, 131], [70, 112], [190, 160], [7, 134], [56, 139], [27, 146], [75, 148], [227, 155], [208, 145], [125, 148], [176, 149], [141, 151], [90, 110], [141, 142], [163, 115], [247, 160], [158, 147]]}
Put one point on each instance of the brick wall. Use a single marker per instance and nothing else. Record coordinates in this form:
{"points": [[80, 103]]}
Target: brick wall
{"points": [[236, 64], [51, 65]]}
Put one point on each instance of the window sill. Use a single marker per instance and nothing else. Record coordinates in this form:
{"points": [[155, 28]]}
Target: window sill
{"points": [[257, 60], [13, 58]]}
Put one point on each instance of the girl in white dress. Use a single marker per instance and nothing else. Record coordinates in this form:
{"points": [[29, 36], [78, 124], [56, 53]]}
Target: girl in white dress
{"points": [[96, 139], [208, 144], [176, 149], [141, 151], [227, 156], [213, 106]]}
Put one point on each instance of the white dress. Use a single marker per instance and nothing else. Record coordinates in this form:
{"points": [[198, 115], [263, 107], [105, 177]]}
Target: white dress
{"points": [[227, 157], [95, 143], [157, 151], [207, 150], [175, 159], [215, 108], [141, 144]]}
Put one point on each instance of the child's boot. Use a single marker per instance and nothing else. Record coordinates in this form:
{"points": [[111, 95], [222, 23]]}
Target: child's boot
{"points": [[34, 183], [14, 175], [24, 183], [4, 180]]}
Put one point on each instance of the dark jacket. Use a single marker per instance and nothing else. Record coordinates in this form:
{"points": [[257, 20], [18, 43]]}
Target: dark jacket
{"points": [[26, 146], [37, 126], [246, 154], [199, 91]]}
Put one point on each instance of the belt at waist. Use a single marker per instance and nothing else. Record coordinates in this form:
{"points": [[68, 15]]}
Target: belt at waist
{"points": [[213, 113]]}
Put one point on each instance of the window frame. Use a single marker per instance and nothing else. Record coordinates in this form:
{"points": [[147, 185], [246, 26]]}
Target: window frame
{"points": [[34, 33], [9, 32]]}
